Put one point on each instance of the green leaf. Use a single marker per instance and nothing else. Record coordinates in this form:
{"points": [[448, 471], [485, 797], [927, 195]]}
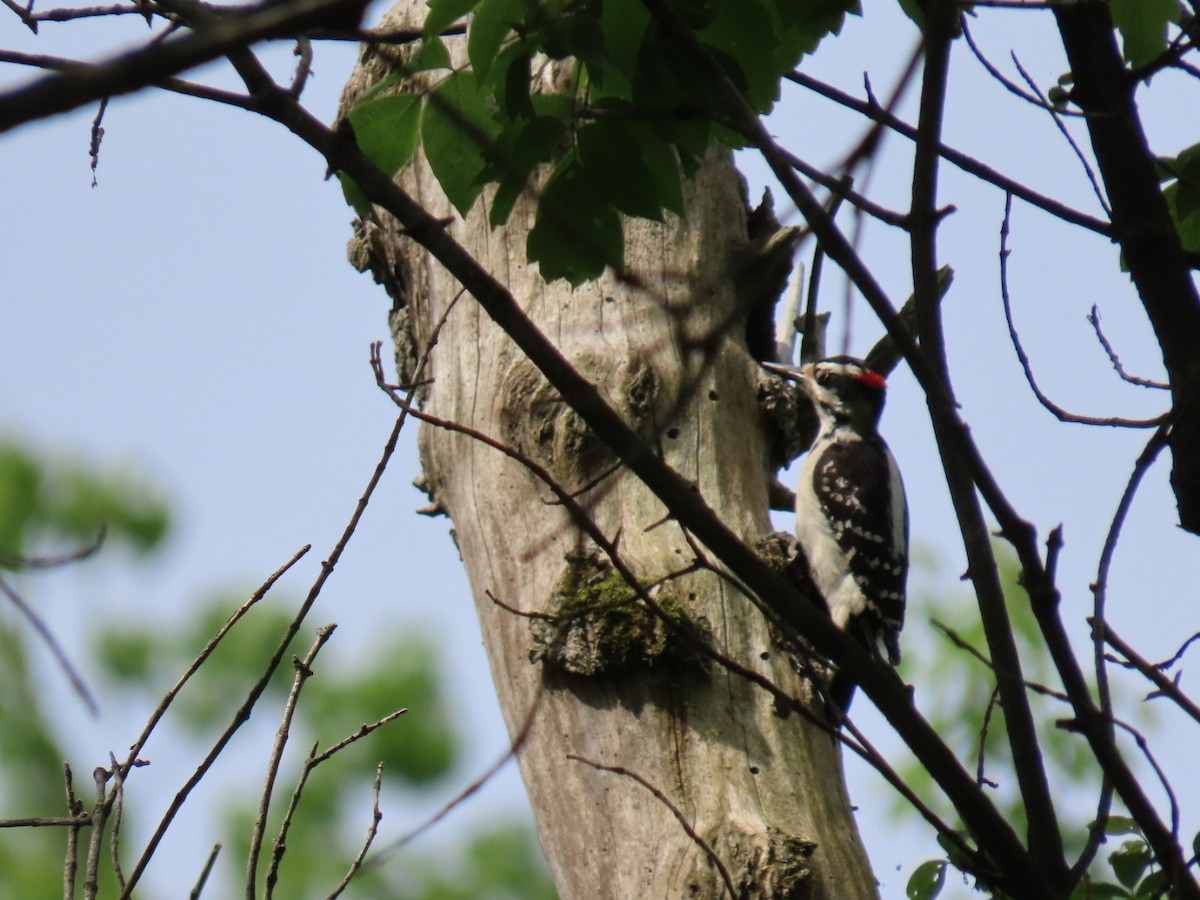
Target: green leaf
{"points": [[457, 130], [127, 655], [516, 101], [1143, 27], [519, 150], [577, 233], [20, 489], [1130, 862], [355, 197], [433, 55], [912, 9], [386, 129], [1120, 825], [625, 24], [1183, 196], [745, 38], [444, 13], [805, 25], [1099, 890], [1153, 886], [927, 881], [617, 154], [380, 86], [490, 25]]}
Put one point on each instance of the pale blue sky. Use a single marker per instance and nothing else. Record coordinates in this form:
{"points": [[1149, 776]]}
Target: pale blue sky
{"points": [[193, 319]]}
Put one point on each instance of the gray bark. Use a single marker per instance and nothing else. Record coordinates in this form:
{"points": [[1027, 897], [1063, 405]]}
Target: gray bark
{"points": [[618, 687]]}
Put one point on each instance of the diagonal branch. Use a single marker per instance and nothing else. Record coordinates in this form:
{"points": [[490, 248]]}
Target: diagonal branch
{"points": [[152, 63], [1023, 358], [957, 158], [1142, 225], [1045, 840]]}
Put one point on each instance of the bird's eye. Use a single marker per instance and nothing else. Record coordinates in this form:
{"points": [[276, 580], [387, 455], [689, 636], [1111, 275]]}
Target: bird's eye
{"points": [[825, 377]]}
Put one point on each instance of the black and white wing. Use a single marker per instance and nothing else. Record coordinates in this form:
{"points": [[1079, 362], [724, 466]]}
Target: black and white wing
{"points": [[858, 488]]}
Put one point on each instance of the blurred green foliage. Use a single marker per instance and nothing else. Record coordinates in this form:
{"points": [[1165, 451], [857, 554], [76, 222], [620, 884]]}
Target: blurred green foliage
{"points": [[49, 508], [956, 694], [61, 502]]}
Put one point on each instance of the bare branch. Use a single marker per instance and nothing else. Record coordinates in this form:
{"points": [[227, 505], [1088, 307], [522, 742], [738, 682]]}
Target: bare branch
{"points": [[955, 157], [48, 638], [204, 654], [243, 713], [148, 65], [48, 821], [473, 788], [1034, 99], [1053, 408], [205, 872], [376, 816], [315, 759], [117, 801], [100, 810], [304, 671], [71, 862], [25, 563], [674, 810], [1057, 114], [1098, 828], [1167, 687], [1094, 319], [1166, 664]]}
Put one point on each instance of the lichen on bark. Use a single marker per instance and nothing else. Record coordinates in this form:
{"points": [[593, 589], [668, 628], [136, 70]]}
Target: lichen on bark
{"points": [[600, 626]]}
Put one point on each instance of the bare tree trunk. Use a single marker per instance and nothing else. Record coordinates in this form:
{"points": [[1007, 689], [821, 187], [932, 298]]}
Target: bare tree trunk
{"points": [[763, 790]]}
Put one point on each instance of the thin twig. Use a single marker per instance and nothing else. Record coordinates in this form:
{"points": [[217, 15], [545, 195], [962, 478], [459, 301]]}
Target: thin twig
{"points": [[1097, 829], [1006, 83], [118, 813], [473, 788], [662, 798], [69, 13], [372, 830], [204, 654], [100, 810], [202, 880], [980, 767], [1167, 687], [304, 671], [243, 713], [955, 157], [48, 821], [48, 638], [1056, 115], [962, 644], [304, 57], [811, 342], [97, 137], [71, 863], [1094, 319], [1144, 746], [30, 563], [1166, 664], [314, 759], [1053, 408]]}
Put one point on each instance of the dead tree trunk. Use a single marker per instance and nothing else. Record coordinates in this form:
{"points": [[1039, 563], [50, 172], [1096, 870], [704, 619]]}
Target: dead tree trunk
{"points": [[618, 686]]}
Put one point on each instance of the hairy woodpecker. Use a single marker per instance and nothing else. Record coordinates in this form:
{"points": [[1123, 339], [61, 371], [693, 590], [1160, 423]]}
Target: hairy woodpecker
{"points": [[851, 515]]}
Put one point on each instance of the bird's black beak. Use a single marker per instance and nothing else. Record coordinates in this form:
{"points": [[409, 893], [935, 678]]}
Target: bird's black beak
{"points": [[792, 373]]}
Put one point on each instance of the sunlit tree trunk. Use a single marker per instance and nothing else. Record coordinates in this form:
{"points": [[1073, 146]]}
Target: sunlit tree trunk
{"points": [[762, 789]]}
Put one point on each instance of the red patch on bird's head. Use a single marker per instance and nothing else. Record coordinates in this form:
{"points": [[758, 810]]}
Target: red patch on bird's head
{"points": [[872, 379]]}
